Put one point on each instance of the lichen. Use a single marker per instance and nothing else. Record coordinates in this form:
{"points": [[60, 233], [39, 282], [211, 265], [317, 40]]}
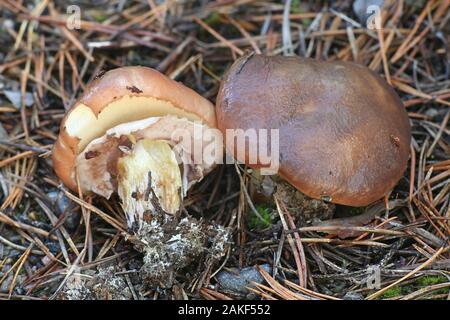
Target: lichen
{"points": [[170, 244], [105, 284]]}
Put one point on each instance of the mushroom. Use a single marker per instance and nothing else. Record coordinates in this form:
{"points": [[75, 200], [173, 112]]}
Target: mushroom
{"points": [[132, 132], [344, 134]]}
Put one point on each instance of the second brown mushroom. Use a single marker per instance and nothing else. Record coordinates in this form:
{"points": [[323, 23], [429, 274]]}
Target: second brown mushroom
{"points": [[344, 134]]}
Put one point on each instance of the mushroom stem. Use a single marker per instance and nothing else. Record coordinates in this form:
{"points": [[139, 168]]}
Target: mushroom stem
{"points": [[149, 180]]}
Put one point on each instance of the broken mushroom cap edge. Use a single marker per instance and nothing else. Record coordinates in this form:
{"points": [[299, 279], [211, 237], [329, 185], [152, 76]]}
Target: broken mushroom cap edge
{"points": [[118, 96]]}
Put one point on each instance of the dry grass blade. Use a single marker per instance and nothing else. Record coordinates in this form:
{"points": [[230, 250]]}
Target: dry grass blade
{"points": [[297, 248], [213, 295]]}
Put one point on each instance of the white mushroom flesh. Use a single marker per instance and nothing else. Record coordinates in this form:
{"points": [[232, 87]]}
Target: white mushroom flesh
{"points": [[150, 163]]}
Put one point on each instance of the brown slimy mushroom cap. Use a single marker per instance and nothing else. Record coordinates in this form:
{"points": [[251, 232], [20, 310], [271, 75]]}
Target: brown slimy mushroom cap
{"points": [[119, 96], [344, 134]]}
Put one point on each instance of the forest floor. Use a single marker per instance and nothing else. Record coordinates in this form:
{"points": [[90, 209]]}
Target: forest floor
{"points": [[55, 244]]}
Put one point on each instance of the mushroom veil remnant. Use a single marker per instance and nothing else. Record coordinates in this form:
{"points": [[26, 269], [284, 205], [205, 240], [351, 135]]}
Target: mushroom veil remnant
{"points": [[132, 132], [344, 134]]}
